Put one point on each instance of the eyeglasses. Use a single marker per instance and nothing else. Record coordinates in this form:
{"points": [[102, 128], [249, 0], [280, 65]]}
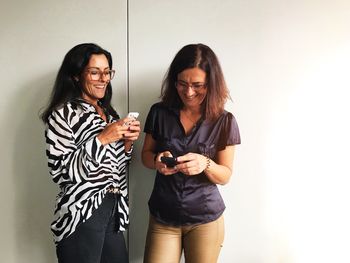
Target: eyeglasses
{"points": [[95, 74], [194, 86]]}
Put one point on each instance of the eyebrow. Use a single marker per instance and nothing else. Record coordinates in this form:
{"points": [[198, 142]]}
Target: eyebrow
{"points": [[195, 82], [97, 68]]}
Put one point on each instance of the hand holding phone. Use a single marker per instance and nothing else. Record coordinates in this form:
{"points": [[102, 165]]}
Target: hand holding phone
{"points": [[132, 115], [169, 161]]}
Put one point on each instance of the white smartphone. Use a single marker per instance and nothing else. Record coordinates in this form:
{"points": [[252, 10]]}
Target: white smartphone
{"points": [[133, 115]]}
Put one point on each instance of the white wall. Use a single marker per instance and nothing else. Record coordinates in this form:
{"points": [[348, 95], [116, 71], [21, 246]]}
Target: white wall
{"points": [[286, 63]]}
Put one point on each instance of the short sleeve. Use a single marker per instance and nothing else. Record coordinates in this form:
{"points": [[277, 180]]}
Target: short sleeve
{"points": [[229, 132], [151, 121]]}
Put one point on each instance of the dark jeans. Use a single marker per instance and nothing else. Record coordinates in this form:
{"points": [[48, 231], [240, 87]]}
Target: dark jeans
{"points": [[96, 240]]}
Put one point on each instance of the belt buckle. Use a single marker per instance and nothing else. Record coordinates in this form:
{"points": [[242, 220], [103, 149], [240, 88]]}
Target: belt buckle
{"points": [[114, 190]]}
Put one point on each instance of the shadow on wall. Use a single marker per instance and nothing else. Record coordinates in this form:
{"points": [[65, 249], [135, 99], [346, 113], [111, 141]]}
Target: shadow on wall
{"points": [[35, 192], [141, 179]]}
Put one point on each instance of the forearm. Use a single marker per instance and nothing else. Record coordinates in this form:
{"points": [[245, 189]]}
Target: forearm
{"points": [[105, 141], [218, 174], [148, 159]]}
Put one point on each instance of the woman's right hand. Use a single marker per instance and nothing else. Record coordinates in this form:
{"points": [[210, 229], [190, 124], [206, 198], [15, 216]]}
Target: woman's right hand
{"points": [[161, 167], [114, 131]]}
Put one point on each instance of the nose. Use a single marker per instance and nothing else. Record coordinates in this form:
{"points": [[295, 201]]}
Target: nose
{"points": [[103, 78], [189, 90]]}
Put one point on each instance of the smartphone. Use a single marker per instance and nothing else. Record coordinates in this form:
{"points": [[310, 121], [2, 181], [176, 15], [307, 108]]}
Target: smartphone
{"points": [[132, 115], [169, 161]]}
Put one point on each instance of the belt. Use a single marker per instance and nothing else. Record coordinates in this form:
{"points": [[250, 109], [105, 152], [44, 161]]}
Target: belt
{"points": [[114, 190]]}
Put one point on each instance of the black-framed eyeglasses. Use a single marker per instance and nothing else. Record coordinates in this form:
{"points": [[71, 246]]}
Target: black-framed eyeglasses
{"points": [[96, 74], [195, 86]]}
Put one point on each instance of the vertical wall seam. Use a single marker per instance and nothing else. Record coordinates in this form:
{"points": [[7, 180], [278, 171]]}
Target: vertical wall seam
{"points": [[127, 56], [128, 107]]}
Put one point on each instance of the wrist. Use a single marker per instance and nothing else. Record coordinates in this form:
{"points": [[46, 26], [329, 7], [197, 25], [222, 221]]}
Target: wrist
{"points": [[101, 139], [128, 147], [208, 163]]}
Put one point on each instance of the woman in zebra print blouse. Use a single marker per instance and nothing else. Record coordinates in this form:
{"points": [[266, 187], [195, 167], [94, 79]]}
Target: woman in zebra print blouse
{"points": [[88, 150]]}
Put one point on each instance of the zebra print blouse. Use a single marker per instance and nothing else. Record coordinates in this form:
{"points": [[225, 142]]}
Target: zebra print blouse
{"points": [[82, 167]]}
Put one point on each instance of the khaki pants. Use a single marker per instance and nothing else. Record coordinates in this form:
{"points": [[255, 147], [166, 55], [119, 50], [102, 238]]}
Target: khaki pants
{"points": [[201, 243]]}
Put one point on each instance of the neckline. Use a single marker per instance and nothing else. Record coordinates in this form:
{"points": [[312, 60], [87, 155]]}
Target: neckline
{"points": [[194, 127], [91, 106]]}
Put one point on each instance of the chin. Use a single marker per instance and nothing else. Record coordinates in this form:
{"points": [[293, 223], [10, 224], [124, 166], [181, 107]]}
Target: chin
{"points": [[101, 95]]}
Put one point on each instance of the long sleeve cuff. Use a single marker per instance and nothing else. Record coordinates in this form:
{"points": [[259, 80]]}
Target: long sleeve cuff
{"points": [[129, 153]]}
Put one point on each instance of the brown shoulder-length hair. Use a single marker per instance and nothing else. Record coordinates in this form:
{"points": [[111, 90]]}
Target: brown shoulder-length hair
{"points": [[197, 56]]}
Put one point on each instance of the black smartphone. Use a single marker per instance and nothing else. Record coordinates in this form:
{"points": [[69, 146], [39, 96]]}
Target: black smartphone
{"points": [[169, 161]]}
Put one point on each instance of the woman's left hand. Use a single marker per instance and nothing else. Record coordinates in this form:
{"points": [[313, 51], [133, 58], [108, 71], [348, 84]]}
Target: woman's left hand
{"points": [[133, 132], [191, 163]]}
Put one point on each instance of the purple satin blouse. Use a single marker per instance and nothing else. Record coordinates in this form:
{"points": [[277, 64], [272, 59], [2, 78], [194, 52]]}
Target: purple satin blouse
{"points": [[186, 200]]}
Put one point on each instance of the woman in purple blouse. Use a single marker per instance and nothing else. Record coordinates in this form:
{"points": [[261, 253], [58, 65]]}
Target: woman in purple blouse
{"points": [[191, 125]]}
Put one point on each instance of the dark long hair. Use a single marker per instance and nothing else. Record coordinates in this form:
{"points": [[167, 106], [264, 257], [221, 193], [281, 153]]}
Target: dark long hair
{"points": [[66, 88], [202, 57]]}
